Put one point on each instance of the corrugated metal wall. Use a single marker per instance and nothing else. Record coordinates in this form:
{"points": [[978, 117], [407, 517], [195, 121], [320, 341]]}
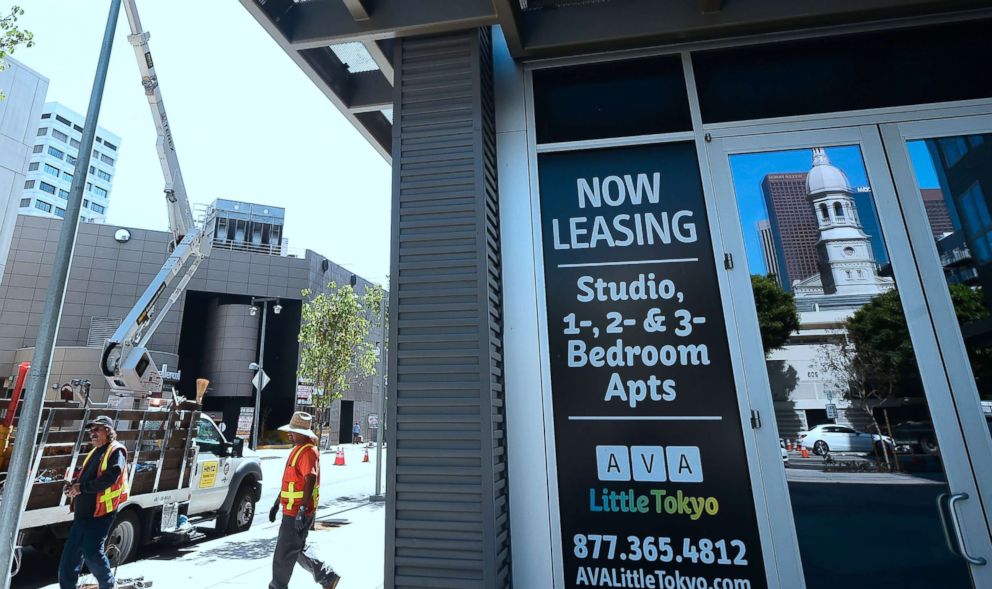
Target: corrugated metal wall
{"points": [[447, 522]]}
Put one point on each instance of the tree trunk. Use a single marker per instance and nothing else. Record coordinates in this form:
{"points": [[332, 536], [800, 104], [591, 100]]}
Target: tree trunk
{"points": [[878, 430]]}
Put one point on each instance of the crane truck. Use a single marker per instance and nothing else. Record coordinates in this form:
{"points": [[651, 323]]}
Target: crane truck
{"points": [[182, 471]]}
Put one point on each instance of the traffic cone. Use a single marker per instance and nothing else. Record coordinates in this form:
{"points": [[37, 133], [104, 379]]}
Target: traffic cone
{"points": [[366, 457], [339, 457], [805, 452]]}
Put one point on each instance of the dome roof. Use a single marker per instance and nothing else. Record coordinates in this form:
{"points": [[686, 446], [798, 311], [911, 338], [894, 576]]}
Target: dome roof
{"points": [[825, 177]]}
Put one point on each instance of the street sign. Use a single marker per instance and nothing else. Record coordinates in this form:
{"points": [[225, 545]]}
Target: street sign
{"points": [[304, 394], [245, 419], [261, 379], [373, 420], [831, 411]]}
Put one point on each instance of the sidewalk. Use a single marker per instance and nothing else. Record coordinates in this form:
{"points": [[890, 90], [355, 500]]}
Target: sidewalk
{"points": [[354, 548]]}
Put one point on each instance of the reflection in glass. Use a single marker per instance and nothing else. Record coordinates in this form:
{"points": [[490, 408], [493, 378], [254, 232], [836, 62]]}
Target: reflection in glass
{"points": [[843, 374], [954, 176]]}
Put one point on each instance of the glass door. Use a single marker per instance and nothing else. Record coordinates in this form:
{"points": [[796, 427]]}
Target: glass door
{"points": [[943, 174], [841, 355]]}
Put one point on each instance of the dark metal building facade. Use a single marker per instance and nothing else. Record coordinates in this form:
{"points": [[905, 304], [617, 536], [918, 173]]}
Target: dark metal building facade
{"points": [[710, 73]]}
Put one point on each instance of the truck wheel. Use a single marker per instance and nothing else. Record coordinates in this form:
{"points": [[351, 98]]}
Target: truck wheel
{"points": [[122, 541], [242, 511]]}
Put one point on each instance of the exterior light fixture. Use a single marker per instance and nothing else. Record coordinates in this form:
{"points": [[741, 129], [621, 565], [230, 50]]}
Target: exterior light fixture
{"points": [[253, 311], [277, 308]]}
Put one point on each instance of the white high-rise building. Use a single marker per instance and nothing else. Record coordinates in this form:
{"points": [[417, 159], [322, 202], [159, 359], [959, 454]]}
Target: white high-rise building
{"points": [[24, 90], [53, 162]]}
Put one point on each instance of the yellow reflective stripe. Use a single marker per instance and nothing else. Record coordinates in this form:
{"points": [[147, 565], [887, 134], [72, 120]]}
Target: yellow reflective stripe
{"points": [[87, 459], [291, 495], [108, 496], [110, 450], [296, 456]]}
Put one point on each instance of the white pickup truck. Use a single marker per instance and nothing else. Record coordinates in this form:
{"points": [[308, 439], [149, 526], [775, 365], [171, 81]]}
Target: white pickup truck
{"points": [[182, 471]]}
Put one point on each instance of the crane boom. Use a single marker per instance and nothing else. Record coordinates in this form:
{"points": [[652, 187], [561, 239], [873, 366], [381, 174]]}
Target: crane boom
{"points": [[125, 361], [180, 214]]}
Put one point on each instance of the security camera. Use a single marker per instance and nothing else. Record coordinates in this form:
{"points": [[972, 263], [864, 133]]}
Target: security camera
{"points": [[277, 309], [253, 366], [253, 311]]}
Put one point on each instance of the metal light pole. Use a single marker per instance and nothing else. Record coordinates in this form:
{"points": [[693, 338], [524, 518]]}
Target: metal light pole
{"points": [[261, 365], [258, 389], [19, 473], [381, 431]]}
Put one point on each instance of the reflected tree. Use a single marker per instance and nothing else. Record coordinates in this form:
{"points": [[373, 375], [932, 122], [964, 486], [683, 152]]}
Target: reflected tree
{"points": [[777, 315], [874, 359]]}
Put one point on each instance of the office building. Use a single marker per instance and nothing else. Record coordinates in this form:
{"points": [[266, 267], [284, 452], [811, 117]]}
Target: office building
{"points": [[769, 252], [53, 163], [211, 332], [24, 94], [937, 213], [793, 225]]}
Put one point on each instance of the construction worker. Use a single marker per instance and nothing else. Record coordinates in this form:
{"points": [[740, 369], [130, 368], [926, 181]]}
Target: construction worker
{"points": [[96, 491], [298, 498]]}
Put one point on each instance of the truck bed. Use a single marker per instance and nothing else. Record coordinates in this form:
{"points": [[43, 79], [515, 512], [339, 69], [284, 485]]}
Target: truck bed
{"points": [[161, 455]]}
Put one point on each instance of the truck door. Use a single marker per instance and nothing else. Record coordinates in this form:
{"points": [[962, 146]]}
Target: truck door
{"points": [[212, 469]]}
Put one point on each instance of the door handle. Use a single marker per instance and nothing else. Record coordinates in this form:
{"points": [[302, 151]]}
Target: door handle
{"points": [[955, 526]]}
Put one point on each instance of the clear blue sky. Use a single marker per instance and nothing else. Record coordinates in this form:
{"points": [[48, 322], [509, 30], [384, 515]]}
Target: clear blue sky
{"points": [[248, 124], [750, 169]]}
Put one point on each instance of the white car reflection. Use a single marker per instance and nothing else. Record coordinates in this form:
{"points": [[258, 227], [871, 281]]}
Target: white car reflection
{"points": [[838, 438]]}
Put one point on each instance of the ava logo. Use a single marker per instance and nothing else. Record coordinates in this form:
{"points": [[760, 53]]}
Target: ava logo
{"points": [[677, 464]]}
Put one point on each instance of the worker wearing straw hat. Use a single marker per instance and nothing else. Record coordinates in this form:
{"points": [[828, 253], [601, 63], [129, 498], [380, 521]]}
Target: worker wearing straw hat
{"points": [[298, 499]]}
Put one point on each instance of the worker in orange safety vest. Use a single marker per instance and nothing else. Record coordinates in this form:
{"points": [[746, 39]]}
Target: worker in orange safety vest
{"points": [[96, 491], [298, 499]]}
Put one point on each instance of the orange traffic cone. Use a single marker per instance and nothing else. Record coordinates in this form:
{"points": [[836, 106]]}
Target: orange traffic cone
{"points": [[366, 457], [804, 452], [339, 457]]}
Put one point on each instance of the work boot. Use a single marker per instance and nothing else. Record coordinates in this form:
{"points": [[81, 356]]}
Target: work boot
{"points": [[335, 579]]}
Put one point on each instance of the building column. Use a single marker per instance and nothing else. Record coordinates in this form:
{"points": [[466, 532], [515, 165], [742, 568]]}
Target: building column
{"points": [[447, 519]]}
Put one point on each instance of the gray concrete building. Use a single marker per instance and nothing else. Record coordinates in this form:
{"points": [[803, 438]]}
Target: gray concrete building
{"points": [[210, 332], [24, 90]]}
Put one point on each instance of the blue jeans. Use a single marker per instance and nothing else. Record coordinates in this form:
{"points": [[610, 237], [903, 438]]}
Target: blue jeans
{"points": [[85, 543]]}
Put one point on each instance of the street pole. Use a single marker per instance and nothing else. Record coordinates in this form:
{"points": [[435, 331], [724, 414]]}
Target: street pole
{"points": [[261, 373], [381, 426], [15, 497]]}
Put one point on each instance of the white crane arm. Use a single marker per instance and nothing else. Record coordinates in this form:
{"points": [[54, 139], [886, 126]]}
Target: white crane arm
{"points": [[126, 362], [180, 214]]}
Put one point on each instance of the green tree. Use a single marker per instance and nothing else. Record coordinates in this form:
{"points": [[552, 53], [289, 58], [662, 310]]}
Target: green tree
{"points": [[334, 342], [881, 336], [777, 315], [875, 360], [12, 36]]}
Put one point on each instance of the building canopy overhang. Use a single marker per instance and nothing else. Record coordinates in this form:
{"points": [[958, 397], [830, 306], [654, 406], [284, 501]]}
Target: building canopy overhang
{"points": [[346, 46]]}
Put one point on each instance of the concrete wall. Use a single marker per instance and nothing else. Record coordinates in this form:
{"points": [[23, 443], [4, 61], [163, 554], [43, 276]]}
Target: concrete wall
{"points": [[231, 345], [25, 92], [106, 277], [74, 362]]}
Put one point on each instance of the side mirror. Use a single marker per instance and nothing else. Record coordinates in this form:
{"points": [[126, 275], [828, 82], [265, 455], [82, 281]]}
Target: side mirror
{"points": [[237, 447], [222, 427]]}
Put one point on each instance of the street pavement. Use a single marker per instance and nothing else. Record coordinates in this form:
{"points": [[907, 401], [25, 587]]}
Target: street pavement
{"points": [[350, 535]]}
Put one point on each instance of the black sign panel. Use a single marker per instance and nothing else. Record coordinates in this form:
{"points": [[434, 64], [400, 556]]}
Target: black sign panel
{"points": [[653, 485]]}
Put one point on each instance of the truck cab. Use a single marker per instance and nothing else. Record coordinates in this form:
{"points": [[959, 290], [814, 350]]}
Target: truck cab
{"points": [[226, 483]]}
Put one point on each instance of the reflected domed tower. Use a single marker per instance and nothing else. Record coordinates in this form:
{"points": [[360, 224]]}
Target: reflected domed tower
{"points": [[844, 255]]}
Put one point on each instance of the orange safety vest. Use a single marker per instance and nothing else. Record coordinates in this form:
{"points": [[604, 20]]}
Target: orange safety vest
{"points": [[293, 482], [110, 498]]}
